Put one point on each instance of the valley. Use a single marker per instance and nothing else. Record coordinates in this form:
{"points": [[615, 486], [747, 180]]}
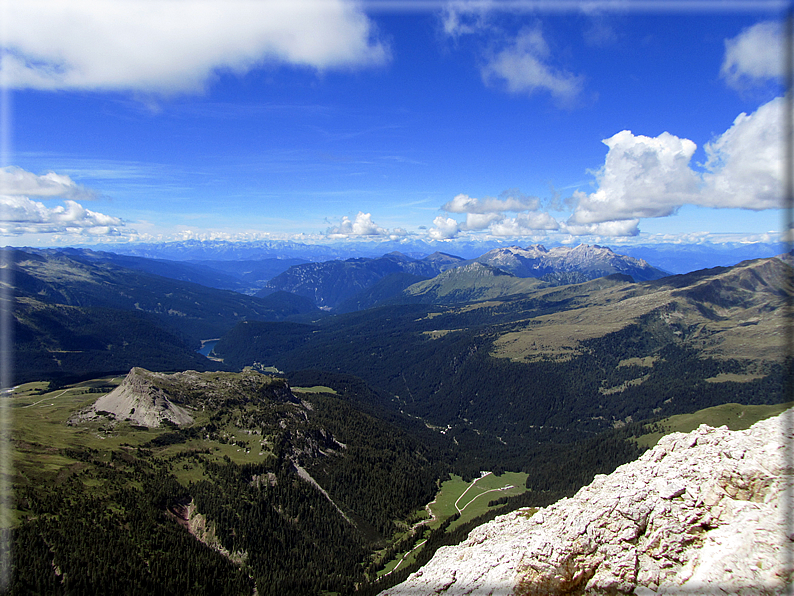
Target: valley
{"points": [[351, 430]]}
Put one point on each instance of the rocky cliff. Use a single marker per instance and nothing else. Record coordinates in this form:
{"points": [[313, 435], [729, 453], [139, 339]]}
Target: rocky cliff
{"points": [[701, 513], [140, 400]]}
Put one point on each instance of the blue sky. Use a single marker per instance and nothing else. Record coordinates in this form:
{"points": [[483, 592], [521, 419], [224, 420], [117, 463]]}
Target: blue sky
{"points": [[326, 120]]}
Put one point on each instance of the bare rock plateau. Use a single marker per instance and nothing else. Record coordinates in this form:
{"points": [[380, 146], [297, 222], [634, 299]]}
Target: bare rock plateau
{"points": [[700, 513]]}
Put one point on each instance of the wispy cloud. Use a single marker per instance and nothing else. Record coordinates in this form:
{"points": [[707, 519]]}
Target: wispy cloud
{"points": [[465, 17], [361, 225], [520, 62], [754, 56], [177, 46], [524, 66]]}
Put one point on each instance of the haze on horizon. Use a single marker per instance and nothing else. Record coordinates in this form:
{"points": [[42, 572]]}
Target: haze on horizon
{"points": [[329, 120]]}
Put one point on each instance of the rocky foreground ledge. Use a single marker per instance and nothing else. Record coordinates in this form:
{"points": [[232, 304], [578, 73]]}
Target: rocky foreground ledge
{"points": [[701, 513]]}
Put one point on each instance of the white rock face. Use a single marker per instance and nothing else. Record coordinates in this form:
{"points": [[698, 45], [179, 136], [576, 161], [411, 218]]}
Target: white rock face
{"points": [[139, 401], [701, 513]]}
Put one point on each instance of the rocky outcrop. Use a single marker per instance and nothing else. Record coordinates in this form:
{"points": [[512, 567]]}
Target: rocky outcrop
{"points": [[701, 513], [139, 400], [148, 398]]}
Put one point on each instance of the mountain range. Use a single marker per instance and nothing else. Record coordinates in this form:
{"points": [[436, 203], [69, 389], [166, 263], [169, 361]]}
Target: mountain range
{"points": [[83, 313], [680, 257], [332, 283], [392, 382]]}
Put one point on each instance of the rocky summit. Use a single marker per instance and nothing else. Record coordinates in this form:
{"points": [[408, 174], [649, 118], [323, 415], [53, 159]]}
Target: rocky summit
{"points": [[139, 400], [700, 513]]}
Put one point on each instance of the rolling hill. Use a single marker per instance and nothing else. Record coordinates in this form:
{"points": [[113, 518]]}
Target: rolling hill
{"points": [[473, 282]]}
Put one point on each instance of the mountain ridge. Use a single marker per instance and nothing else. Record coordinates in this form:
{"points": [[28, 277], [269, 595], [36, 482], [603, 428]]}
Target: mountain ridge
{"points": [[674, 257], [587, 261], [332, 283]]}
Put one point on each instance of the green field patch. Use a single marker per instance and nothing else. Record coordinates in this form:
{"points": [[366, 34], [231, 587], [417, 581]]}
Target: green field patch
{"points": [[443, 506], [470, 499], [238, 454], [27, 389], [646, 361], [623, 386], [314, 389], [190, 445], [403, 559], [456, 496], [438, 333], [733, 377], [734, 416], [92, 482], [39, 464]]}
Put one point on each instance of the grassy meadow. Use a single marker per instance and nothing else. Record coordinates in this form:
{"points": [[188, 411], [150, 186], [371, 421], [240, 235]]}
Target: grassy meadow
{"points": [[734, 416]]}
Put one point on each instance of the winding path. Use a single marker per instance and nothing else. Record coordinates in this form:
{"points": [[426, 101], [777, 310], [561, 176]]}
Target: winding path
{"points": [[473, 482], [48, 398]]}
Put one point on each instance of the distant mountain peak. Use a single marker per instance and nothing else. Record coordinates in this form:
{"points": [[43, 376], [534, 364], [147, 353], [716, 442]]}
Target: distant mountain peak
{"points": [[442, 256], [474, 269], [563, 264]]}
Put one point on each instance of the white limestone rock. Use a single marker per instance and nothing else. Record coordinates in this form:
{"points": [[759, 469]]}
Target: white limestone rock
{"points": [[139, 400], [701, 513]]}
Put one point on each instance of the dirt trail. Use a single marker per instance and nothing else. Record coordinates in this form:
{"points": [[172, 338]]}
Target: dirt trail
{"points": [[48, 398]]}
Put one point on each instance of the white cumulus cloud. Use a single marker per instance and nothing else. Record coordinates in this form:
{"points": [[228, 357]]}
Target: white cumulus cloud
{"points": [[170, 46], [480, 221], [754, 56], [524, 224], [523, 67], [21, 215], [745, 164], [16, 181], [652, 176], [443, 228], [641, 177], [625, 227], [361, 225], [489, 214]]}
